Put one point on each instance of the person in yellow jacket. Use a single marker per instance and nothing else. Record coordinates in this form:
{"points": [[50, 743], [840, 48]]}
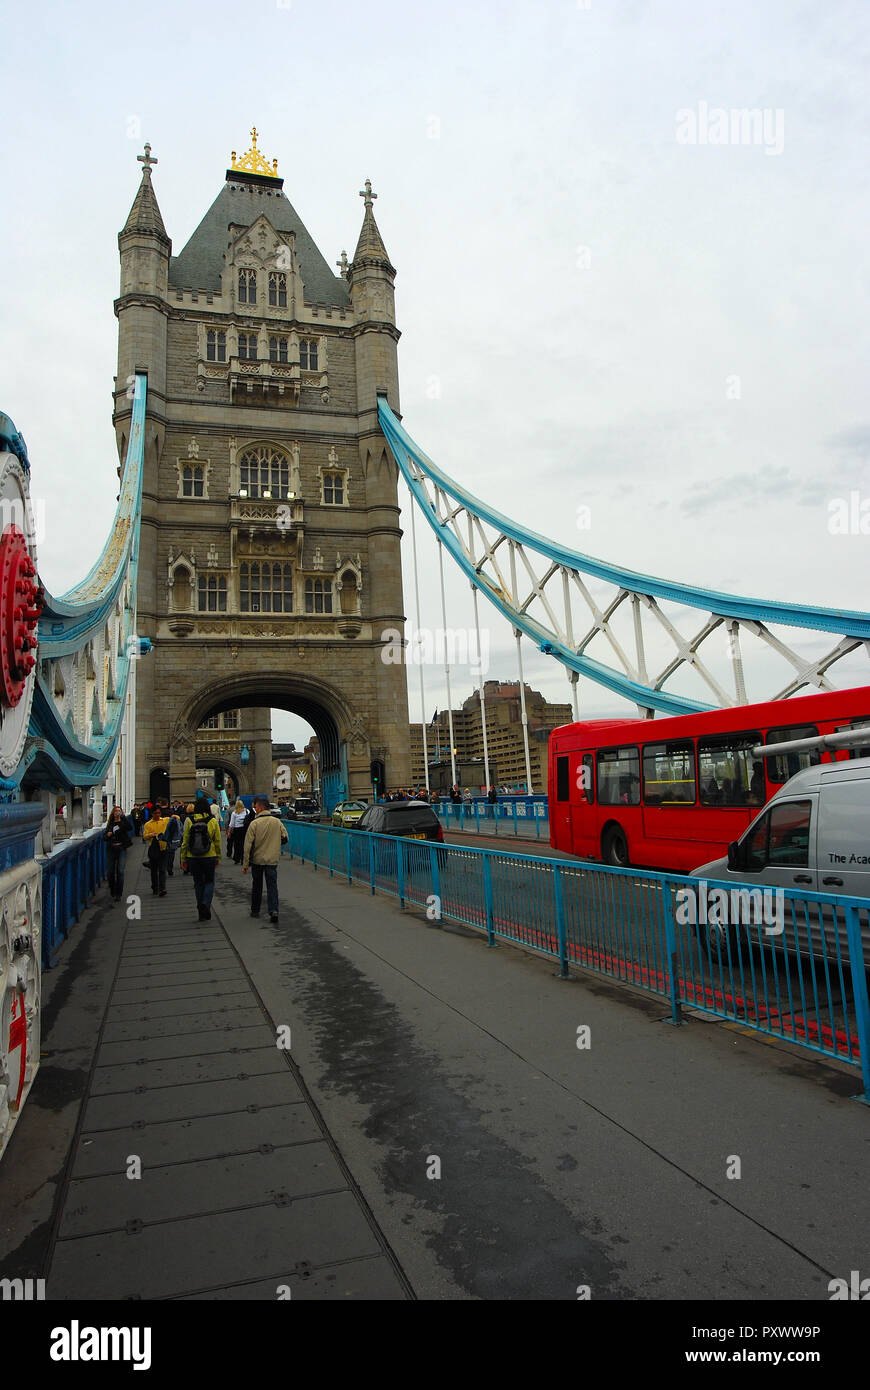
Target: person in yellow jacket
{"points": [[201, 850], [154, 833], [263, 840]]}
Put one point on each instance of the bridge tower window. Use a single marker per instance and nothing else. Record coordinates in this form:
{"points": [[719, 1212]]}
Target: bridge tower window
{"points": [[212, 593], [318, 596], [277, 349], [248, 347], [215, 346], [265, 587], [308, 354], [247, 286], [277, 289], [264, 473]]}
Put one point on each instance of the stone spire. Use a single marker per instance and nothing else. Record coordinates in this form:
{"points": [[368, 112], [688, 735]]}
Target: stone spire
{"points": [[370, 245], [145, 214]]}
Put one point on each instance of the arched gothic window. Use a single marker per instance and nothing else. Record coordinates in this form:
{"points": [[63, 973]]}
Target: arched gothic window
{"points": [[263, 472]]}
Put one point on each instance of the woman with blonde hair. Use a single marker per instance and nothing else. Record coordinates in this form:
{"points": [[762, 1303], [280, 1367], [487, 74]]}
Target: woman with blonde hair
{"points": [[236, 831]]}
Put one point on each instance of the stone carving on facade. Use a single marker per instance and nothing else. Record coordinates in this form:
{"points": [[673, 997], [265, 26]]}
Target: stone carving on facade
{"points": [[317, 561], [212, 557], [193, 449]]}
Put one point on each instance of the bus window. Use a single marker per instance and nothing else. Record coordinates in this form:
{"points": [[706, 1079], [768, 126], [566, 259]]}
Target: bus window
{"points": [[562, 779], [669, 774], [727, 772], [619, 777], [586, 778], [787, 764]]}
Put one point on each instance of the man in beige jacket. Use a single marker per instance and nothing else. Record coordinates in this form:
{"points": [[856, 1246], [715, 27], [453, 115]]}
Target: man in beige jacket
{"points": [[263, 841]]}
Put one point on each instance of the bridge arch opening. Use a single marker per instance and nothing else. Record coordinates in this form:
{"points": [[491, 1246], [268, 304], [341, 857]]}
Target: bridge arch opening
{"points": [[343, 748]]}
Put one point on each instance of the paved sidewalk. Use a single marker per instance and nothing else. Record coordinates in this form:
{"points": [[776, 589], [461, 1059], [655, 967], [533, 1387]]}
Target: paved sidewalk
{"points": [[434, 1129], [241, 1191]]}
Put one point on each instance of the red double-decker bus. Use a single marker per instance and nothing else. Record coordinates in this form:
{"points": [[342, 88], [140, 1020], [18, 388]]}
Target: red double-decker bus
{"points": [[672, 793]]}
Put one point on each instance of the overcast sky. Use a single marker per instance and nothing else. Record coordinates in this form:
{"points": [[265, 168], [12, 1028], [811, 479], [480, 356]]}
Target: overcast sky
{"points": [[600, 306]]}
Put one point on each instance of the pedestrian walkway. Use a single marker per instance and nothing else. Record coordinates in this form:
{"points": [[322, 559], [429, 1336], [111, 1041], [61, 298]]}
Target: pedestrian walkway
{"points": [[201, 1168], [438, 1127]]}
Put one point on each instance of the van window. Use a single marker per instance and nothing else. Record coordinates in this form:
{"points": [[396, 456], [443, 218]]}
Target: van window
{"points": [[727, 772], [781, 838], [787, 764], [619, 777]]}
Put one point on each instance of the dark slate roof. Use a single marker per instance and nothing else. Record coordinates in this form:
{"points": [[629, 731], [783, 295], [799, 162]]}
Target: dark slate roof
{"points": [[199, 265], [145, 214]]}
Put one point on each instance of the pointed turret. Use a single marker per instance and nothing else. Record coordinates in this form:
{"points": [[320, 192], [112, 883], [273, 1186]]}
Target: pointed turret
{"points": [[145, 214], [370, 245], [141, 307]]}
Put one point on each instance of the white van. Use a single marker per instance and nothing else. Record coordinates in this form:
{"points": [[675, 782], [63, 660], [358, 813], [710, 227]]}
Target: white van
{"points": [[814, 835]]}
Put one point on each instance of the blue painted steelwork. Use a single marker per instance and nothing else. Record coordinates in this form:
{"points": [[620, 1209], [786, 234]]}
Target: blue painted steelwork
{"points": [[71, 875], [846, 622], [54, 756], [11, 442], [19, 823], [806, 983]]}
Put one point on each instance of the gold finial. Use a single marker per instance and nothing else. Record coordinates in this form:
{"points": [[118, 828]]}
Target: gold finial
{"points": [[253, 162]]}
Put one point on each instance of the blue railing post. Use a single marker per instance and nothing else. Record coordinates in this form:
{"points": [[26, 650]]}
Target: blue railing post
{"points": [[347, 839], [537, 826], [514, 809], [372, 862], [400, 871], [436, 877], [477, 817], [314, 838], [671, 948], [560, 922], [330, 838], [859, 987], [487, 897]]}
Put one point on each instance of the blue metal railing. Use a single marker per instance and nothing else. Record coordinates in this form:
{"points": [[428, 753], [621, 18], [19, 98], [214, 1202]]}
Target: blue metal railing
{"points": [[800, 975], [523, 817], [71, 875]]}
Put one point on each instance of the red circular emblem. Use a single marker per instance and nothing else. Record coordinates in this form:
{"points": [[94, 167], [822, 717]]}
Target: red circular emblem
{"points": [[21, 602]]}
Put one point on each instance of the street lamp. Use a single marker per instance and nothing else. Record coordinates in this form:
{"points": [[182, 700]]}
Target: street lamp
{"points": [[244, 755]]}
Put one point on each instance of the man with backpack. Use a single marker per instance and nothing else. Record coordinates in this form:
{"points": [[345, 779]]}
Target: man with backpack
{"points": [[201, 851]]}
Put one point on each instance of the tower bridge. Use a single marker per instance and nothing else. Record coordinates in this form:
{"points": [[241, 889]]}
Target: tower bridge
{"points": [[254, 563]]}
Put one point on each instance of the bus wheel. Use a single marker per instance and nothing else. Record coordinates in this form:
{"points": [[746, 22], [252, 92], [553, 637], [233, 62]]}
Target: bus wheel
{"points": [[615, 848]]}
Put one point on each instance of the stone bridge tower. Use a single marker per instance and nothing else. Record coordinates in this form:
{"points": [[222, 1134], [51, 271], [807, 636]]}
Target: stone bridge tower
{"points": [[269, 561]]}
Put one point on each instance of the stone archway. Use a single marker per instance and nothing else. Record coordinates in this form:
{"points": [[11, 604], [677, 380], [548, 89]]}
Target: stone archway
{"points": [[344, 743]]}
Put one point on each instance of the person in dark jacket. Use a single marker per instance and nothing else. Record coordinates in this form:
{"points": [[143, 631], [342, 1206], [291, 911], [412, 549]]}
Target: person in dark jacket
{"points": [[119, 838]]}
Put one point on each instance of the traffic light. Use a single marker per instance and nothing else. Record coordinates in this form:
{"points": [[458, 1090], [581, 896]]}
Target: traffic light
{"points": [[377, 775]]}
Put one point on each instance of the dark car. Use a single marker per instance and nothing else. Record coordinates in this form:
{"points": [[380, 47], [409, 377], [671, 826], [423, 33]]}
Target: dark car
{"points": [[407, 819], [305, 808], [413, 820]]}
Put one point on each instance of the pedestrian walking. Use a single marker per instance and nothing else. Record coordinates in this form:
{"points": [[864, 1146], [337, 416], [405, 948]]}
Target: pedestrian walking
{"points": [[154, 833], [173, 840], [119, 838], [201, 852], [236, 831], [263, 840]]}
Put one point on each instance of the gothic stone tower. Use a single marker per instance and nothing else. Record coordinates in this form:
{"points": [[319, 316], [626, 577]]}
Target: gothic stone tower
{"points": [[269, 559]]}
